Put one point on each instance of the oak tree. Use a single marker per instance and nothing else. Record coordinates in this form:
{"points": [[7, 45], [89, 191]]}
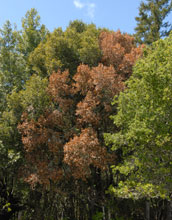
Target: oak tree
{"points": [[65, 143], [144, 121]]}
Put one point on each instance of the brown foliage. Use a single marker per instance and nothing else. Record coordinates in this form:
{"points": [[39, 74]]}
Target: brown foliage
{"points": [[43, 146], [60, 89], [68, 139], [120, 51], [85, 150], [102, 84]]}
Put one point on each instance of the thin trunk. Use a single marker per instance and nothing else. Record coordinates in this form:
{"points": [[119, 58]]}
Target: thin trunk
{"points": [[147, 210], [103, 210], [109, 214], [169, 211], [62, 216], [19, 215]]}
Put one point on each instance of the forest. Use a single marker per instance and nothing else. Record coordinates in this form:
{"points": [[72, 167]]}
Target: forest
{"points": [[86, 120]]}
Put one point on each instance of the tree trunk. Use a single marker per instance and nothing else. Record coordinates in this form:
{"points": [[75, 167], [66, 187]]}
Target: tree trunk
{"points": [[109, 214], [147, 210], [19, 215], [169, 211], [103, 210]]}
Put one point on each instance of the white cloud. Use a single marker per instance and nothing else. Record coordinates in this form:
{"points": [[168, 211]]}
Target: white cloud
{"points": [[78, 4], [90, 7]]}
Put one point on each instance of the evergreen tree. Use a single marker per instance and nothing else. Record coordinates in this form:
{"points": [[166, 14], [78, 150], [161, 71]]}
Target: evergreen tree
{"points": [[15, 48], [151, 24], [32, 32], [12, 64]]}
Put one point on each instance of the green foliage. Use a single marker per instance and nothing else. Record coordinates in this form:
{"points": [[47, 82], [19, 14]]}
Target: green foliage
{"points": [[3, 155], [9, 157], [66, 50], [15, 47], [55, 54], [7, 206], [142, 145], [98, 216], [12, 64], [151, 24], [145, 121], [32, 33], [34, 99], [89, 50], [78, 26], [15, 71]]}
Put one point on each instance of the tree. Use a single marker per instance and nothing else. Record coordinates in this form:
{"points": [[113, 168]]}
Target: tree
{"points": [[119, 51], [67, 49], [144, 122], [12, 64], [14, 50], [64, 145], [151, 24], [32, 32], [15, 194]]}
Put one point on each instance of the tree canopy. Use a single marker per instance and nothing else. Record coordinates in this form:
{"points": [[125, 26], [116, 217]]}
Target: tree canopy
{"points": [[66, 142], [144, 121], [57, 90], [151, 22]]}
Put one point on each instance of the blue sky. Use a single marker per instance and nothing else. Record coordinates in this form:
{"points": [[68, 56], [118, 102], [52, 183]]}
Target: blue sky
{"points": [[112, 14]]}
